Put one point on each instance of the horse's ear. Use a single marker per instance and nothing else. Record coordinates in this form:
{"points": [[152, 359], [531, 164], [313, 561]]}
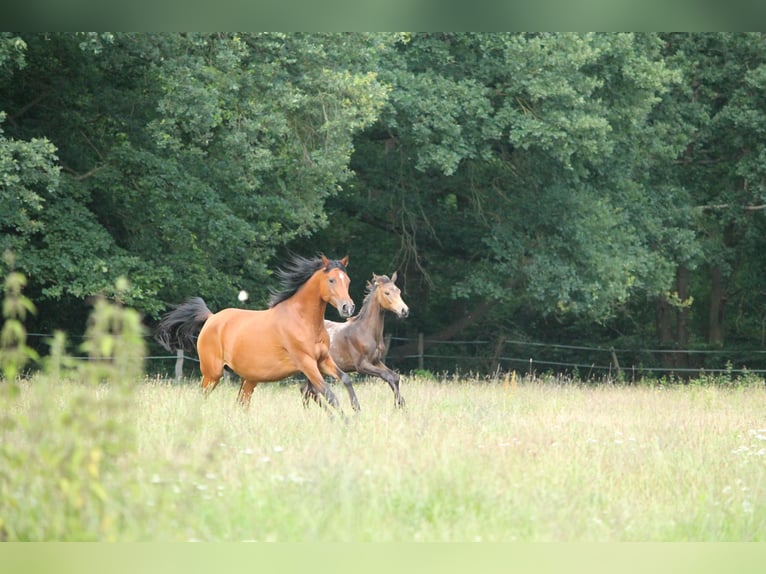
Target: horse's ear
{"points": [[344, 261], [325, 261], [375, 277], [393, 277]]}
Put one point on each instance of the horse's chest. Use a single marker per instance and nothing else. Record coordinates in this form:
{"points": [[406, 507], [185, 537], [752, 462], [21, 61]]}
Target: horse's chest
{"points": [[380, 349], [322, 345]]}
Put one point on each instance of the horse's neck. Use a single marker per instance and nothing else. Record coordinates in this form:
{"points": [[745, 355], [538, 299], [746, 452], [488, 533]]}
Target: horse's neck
{"points": [[311, 307], [371, 315]]}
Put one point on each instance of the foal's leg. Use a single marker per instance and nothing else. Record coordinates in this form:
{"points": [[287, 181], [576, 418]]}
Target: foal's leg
{"points": [[346, 378], [245, 392], [309, 392], [382, 371]]}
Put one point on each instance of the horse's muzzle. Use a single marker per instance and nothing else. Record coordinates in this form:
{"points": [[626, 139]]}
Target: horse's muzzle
{"points": [[346, 309], [404, 312]]}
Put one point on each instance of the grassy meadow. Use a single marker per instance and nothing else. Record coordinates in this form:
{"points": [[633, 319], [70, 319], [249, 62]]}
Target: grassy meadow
{"points": [[467, 460]]}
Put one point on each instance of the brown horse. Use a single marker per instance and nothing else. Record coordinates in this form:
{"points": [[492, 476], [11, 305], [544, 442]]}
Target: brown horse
{"points": [[271, 344], [358, 345]]}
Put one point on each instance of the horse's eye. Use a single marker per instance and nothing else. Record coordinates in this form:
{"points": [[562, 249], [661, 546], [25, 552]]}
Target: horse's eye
{"points": [[332, 280], [388, 293]]}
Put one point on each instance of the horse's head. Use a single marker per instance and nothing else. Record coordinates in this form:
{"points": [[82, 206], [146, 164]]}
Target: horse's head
{"points": [[389, 296], [334, 285]]}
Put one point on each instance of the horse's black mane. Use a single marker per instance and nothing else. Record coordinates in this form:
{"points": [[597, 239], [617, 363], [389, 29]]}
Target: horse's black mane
{"points": [[295, 273]]}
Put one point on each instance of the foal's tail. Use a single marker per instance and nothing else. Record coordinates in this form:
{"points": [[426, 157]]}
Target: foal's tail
{"points": [[179, 328]]}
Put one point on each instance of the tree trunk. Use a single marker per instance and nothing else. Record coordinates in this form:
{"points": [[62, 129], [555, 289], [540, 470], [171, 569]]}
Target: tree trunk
{"points": [[717, 304], [682, 316], [665, 314], [663, 318], [672, 323]]}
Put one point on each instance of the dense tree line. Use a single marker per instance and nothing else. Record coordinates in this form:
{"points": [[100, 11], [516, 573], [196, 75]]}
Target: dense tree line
{"points": [[597, 187]]}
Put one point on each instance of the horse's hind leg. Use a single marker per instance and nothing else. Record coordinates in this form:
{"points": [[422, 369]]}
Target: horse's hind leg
{"points": [[209, 383], [245, 392], [308, 393], [212, 371]]}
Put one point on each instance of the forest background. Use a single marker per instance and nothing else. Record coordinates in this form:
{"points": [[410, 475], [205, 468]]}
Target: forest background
{"points": [[596, 190]]}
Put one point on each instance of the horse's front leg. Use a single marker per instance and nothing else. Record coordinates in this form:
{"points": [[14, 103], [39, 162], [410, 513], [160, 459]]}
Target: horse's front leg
{"points": [[346, 378], [310, 368], [329, 367], [388, 375], [308, 393]]}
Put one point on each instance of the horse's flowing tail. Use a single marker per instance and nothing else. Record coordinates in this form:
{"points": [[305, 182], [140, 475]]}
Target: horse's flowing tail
{"points": [[179, 328]]}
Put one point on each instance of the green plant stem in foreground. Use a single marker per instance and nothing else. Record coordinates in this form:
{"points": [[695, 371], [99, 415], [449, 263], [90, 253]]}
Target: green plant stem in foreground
{"points": [[466, 461]]}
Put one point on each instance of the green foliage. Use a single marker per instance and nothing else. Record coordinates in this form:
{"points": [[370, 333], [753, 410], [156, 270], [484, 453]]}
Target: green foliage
{"points": [[558, 178], [722, 169], [12, 50], [64, 466], [114, 341], [14, 352], [526, 169], [27, 172], [186, 160]]}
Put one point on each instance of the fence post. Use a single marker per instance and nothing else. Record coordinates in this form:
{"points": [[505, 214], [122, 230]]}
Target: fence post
{"points": [[616, 362], [420, 351], [498, 351], [179, 364]]}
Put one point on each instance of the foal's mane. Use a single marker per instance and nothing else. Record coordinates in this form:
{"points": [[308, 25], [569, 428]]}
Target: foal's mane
{"points": [[295, 273], [371, 286]]}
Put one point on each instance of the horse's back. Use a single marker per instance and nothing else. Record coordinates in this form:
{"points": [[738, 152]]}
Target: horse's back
{"points": [[249, 342], [234, 315], [232, 324]]}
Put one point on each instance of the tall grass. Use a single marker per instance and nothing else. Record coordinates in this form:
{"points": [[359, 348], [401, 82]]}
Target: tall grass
{"points": [[66, 436], [93, 451], [467, 460]]}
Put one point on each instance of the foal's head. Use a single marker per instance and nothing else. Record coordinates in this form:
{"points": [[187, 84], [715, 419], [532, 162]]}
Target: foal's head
{"points": [[388, 295]]}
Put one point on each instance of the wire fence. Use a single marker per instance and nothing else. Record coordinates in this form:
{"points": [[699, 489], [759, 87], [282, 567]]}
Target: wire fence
{"points": [[486, 357]]}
